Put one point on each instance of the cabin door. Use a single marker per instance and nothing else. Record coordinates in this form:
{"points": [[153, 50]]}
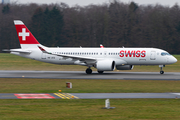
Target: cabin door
{"points": [[153, 55]]}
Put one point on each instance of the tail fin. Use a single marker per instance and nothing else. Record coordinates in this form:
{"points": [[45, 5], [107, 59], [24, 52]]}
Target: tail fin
{"points": [[26, 38]]}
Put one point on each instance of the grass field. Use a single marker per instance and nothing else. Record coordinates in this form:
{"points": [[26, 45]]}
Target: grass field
{"points": [[126, 109], [59, 109], [22, 85]]}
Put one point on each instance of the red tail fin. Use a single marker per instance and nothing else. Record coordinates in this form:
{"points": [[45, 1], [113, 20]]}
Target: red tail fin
{"points": [[25, 36]]}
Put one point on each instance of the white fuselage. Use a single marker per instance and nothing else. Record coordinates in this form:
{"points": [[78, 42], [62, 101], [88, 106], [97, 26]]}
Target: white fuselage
{"points": [[125, 56]]}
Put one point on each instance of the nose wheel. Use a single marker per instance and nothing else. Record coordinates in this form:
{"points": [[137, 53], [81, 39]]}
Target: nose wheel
{"points": [[161, 70]]}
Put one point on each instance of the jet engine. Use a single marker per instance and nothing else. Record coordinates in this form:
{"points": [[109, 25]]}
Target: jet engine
{"points": [[105, 65], [124, 67]]}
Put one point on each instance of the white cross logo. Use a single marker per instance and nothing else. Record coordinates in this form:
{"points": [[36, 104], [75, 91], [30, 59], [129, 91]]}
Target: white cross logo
{"points": [[24, 34]]}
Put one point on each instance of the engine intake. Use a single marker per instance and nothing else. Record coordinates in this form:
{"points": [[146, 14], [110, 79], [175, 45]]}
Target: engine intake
{"points": [[105, 65]]}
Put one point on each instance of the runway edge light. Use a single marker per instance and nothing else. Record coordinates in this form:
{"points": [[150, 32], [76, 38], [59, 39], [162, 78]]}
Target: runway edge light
{"points": [[107, 105]]}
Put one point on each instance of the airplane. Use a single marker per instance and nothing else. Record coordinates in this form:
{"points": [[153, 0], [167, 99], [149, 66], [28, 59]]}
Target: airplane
{"points": [[106, 59]]}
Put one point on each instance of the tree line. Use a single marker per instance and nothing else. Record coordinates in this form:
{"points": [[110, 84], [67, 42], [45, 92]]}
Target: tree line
{"points": [[115, 24]]}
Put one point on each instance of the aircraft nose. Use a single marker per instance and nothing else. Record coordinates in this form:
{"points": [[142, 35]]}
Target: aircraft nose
{"points": [[173, 60]]}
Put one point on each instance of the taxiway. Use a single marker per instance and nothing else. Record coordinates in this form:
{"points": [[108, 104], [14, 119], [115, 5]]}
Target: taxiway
{"points": [[95, 75], [88, 95]]}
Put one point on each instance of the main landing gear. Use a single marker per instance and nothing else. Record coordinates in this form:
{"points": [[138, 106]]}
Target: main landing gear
{"points": [[161, 71], [100, 72], [88, 71]]}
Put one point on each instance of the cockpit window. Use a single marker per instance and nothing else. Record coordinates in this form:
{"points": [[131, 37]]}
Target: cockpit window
{"points": [[165, 53]]}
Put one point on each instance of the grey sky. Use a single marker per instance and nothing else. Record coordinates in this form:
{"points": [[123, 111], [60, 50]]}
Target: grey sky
{"points": [[87, 2]]}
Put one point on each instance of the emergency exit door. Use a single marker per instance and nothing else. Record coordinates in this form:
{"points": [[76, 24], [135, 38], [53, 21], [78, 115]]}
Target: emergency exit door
{"points": [[153, 55]]}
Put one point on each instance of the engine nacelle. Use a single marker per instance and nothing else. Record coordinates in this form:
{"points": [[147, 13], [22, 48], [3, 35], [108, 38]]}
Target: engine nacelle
{"points": [[124, 67], [105, 65]]}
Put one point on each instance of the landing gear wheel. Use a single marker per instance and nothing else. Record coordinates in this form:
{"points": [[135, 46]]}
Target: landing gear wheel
{"points": [[100, 72], [161, 72], [88, 71]]}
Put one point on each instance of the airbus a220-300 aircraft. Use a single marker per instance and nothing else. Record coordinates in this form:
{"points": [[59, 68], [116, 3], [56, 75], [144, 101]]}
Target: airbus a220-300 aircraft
{"points": [[103, 59]]}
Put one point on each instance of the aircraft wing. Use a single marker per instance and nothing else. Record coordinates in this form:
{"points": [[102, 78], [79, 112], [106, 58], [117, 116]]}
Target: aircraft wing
{"points": [[18, 51], [80, 58]]}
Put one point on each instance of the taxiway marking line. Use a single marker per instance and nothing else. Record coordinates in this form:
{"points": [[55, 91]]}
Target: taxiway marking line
{"points": [[34, 96], [66, 96]]}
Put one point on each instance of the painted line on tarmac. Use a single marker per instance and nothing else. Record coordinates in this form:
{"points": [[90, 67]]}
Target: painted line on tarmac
{"points": [[66, 96], [34, 96]]}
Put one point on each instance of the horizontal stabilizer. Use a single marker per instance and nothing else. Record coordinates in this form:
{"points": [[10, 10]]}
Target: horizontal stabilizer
{"points": [[18, 51]]}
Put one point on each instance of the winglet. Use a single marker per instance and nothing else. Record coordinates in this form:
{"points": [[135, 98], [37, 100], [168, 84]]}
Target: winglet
{"points": [[101, 46]]}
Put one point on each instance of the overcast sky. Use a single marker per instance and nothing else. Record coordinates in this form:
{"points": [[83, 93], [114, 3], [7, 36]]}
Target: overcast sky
{"points": [[87, 2]]}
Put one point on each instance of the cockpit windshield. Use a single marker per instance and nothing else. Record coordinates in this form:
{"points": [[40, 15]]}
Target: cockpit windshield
{"points": [[165, 53]]}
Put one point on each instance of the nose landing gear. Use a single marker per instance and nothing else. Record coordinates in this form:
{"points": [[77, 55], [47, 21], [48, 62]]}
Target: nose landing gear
{"points": [[161, 71]]}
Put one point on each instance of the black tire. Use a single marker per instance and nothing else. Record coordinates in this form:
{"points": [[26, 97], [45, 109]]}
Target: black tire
{"points": [[161, 72], [88, 71], [100, 72]]}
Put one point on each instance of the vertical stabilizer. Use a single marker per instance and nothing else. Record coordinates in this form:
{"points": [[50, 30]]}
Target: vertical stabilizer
{"points": [[26, 38]]}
